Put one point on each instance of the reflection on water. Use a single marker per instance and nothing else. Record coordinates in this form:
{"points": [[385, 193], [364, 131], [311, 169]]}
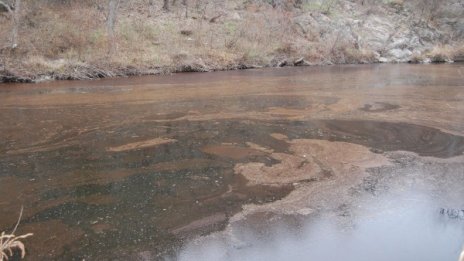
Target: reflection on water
{"points": [[411, 228], [136, 168]]}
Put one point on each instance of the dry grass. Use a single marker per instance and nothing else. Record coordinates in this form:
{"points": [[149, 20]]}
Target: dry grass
{"points": [[63, 39], [439, 54], [459, 50], [70, 41], [10, 243]]}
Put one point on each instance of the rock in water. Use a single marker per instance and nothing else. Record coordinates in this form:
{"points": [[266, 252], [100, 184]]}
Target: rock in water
{"points": [[452, 213]]}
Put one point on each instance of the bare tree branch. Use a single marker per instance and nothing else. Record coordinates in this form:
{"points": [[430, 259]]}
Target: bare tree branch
{"points": [[5, 7]]}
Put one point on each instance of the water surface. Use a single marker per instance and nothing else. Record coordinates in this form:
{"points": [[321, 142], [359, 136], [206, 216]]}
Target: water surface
{"points": [[140, 168]]}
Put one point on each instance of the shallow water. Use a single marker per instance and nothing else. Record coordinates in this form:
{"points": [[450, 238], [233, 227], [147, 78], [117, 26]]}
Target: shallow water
{"points": [[410, 229], [139, 168]]}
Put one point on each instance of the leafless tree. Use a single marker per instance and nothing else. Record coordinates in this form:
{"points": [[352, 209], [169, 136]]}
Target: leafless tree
{"points": [[151, 4], [14, 34], [110, 23], [185, 3], [14, 11], [428, 9], [166, 5]]}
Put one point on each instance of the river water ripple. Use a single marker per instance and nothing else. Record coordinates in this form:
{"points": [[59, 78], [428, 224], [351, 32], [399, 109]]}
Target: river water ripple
{"points": [[324, 163]]}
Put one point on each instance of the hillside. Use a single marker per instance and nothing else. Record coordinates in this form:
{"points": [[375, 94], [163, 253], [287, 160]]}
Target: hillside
{"points": [[66, 39]]}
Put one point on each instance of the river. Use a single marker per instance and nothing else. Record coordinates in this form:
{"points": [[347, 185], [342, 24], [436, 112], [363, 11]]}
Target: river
{"points": [[354, 162]]}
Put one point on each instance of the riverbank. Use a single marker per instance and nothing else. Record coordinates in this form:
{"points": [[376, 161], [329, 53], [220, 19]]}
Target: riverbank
{"points": [[74, 41]]}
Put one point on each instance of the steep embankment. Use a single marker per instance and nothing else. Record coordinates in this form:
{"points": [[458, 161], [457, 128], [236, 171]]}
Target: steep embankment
{"points": [[67, 40]]}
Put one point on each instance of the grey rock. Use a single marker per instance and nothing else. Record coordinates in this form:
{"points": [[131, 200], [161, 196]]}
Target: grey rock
{"points": [[383, 60], [375, 32], [235, 16], [399, 55], [301, 62]]}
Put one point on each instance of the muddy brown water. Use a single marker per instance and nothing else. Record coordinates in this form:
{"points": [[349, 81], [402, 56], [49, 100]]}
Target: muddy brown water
{"points": [[144, 168]]}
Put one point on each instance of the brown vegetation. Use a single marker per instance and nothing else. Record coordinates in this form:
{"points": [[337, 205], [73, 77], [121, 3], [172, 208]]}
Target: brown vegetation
{"points": [[66, 39], [440, 54]]}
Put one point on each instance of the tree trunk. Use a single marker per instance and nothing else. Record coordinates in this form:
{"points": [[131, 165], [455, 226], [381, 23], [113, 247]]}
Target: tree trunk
{"points": [[184, 2], [166, 5], [151, 4], [14, 33], [110, 23]]}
